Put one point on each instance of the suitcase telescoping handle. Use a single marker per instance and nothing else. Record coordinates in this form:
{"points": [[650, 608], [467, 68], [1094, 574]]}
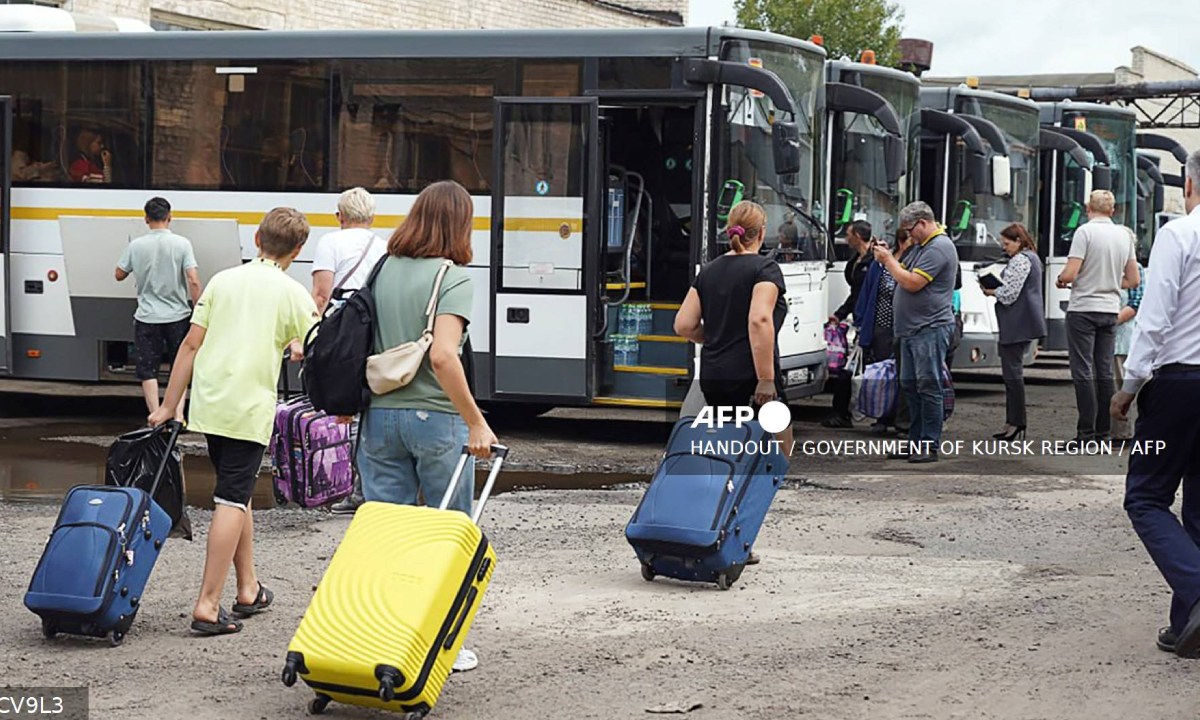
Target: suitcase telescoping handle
{"points": [[499, 452], [174, 426]]}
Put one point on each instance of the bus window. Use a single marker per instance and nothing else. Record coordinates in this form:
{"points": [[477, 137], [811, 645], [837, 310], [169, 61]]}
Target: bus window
{"points": [[266, 130], [648, 73], [550, 79], [404, 124], [103, 124]]}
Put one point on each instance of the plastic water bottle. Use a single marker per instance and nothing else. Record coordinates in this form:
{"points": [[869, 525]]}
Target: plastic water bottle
{"points": [[645, 320], [625, 320], [631, 351], [619, 351]]}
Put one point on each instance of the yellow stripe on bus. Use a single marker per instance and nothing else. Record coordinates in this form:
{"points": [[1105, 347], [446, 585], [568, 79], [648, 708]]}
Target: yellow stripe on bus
{"points": [[636, 402], [554, 225]]}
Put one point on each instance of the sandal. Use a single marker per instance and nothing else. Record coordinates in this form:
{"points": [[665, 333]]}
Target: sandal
{"points": [[224, 625], [262, 601]]}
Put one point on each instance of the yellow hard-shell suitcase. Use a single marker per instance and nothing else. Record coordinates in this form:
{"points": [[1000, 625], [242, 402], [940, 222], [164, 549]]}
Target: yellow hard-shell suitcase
{"points": [[390, 614]]}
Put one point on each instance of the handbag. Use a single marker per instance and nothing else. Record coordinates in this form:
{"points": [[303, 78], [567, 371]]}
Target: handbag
{"points": [[855, 364], [393, 369], [836, 346]]}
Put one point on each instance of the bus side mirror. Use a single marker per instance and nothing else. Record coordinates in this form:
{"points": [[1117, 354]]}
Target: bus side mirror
{"points": [[894, 162], [785, 138], [1001, 176]]}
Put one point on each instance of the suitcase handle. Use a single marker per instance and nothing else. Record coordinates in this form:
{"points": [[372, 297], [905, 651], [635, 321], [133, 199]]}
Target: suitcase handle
{"points": [[175, 427], [499, 452]]}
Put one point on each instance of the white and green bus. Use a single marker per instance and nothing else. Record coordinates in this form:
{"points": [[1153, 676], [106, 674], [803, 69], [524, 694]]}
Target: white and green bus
{"points": [[600, 163]]}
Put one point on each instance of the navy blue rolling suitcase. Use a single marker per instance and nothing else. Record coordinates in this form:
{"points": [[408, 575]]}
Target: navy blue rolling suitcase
{"points": [[98, 560], [706, 502]]}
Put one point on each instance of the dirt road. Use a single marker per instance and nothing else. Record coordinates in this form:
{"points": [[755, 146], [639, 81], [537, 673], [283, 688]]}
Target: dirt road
{"points": [[887, 597]]}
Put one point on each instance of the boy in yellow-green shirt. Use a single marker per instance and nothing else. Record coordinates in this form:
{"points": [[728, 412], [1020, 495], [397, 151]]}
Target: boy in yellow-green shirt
{"points": [[243, 321]]}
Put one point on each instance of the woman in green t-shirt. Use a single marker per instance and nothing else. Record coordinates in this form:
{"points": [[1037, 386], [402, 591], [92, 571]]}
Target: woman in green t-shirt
{"points": [[411, 437]]}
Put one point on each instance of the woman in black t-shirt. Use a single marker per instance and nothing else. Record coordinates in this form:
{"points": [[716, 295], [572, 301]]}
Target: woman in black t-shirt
{"points": [[734, 312]]}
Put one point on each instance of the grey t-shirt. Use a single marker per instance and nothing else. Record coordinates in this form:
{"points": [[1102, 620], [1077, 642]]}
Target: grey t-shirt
{"points": [[931, 306], [1105, 249], [157, 261]]}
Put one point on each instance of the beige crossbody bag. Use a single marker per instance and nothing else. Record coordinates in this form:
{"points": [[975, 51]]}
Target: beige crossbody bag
{"points": [[393, 369]]}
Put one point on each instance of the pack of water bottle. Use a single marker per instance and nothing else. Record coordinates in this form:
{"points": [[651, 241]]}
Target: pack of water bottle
{"points": [[625, 350], [635, 319]]}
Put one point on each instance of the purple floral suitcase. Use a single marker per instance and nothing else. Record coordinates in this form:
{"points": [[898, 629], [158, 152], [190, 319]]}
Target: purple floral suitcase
{"points": [[310, 456]]}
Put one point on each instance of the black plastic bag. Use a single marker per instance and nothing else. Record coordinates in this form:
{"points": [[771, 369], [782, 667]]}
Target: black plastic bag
{"points": [[132, 461]]}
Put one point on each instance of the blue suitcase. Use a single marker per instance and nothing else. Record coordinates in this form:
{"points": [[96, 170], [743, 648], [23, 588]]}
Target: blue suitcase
{"points": [[706, 502], [98, 560]]}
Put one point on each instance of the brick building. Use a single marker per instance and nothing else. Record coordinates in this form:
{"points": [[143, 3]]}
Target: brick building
{"points": [[381, 14]]}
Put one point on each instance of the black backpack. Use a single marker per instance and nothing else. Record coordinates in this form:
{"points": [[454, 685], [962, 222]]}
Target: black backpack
{"points": [[336, 351]]}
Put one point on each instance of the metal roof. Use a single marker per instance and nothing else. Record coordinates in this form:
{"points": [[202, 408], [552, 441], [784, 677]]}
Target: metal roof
{"points": [[268, 45]]}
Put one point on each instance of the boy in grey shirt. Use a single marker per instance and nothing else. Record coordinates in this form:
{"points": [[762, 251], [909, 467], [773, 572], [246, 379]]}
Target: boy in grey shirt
{"points": [[165, 268], [1102, 262]]}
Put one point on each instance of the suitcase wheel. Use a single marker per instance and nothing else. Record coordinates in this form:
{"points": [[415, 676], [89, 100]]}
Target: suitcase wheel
{"points": [[317, 705], [116, 638], [648, 572], [723, 581], [49, 631], [289, 676]]}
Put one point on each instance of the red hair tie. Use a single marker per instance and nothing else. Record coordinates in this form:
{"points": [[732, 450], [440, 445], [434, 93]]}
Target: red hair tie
{"points": [[736, 231]]}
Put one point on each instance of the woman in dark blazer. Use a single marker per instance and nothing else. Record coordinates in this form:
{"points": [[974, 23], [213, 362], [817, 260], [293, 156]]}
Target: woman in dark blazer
{"points": [[1021, 315]]}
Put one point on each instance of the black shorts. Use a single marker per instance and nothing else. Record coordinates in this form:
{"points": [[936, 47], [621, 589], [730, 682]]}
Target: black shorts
{"points": [[732, 393], [237, 463], [155, 342]]}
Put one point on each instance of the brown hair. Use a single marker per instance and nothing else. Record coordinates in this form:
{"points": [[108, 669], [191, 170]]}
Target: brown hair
{"points": [[282, 231], [1018, 234], [746, 223], [439, 225], [84, 140]]}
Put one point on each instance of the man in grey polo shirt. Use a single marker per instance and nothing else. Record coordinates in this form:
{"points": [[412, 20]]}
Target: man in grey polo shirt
{"points": [[924, 322], [1102, 261]]}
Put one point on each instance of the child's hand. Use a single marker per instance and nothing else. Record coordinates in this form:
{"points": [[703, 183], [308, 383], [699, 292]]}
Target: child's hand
{"points": [[297, 350], [159, 416]]}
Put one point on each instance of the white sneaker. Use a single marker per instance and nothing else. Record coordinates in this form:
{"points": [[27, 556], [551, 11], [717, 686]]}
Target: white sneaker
{"points": [[465, 661]]}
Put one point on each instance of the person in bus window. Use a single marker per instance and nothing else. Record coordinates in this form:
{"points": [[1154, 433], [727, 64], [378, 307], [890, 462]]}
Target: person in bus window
{"points": [[94, 162], [25, 170], [786, 250], [412, 437]]}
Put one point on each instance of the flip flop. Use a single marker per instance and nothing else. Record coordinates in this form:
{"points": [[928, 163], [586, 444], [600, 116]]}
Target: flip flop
{"points": [[262, 601], [224, 625]]}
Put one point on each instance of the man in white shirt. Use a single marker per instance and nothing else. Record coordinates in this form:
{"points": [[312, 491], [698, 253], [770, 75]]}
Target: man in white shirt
{"points": [[1102, 262], [343, 261], [1163, 370], [344, 258]]}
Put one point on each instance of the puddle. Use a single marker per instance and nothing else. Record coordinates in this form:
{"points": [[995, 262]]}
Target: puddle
{"points": [[33, 470]]}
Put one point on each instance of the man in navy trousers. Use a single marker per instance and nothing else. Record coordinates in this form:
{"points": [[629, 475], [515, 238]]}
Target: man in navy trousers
{"points": [[1163, 371]]}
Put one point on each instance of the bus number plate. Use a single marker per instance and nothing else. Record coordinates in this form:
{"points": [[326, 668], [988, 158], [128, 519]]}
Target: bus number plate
{"points": [[798, 377]]}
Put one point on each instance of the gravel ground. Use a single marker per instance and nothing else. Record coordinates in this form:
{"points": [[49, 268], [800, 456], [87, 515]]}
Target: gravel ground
{"points": [[980, 588]]}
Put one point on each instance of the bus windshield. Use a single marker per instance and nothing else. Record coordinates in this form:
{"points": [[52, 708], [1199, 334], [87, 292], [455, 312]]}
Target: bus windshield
{"points": [[747, 155], [1118, 135], [858, 172], [977, 217]]}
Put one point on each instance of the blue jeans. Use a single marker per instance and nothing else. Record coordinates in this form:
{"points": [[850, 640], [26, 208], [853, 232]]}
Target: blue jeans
{"points": [[923, 354], [403, 451]]}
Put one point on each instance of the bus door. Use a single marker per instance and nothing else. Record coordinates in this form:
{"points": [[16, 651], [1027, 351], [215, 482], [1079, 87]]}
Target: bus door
{"points": [[5, 240], [545, 191]]}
